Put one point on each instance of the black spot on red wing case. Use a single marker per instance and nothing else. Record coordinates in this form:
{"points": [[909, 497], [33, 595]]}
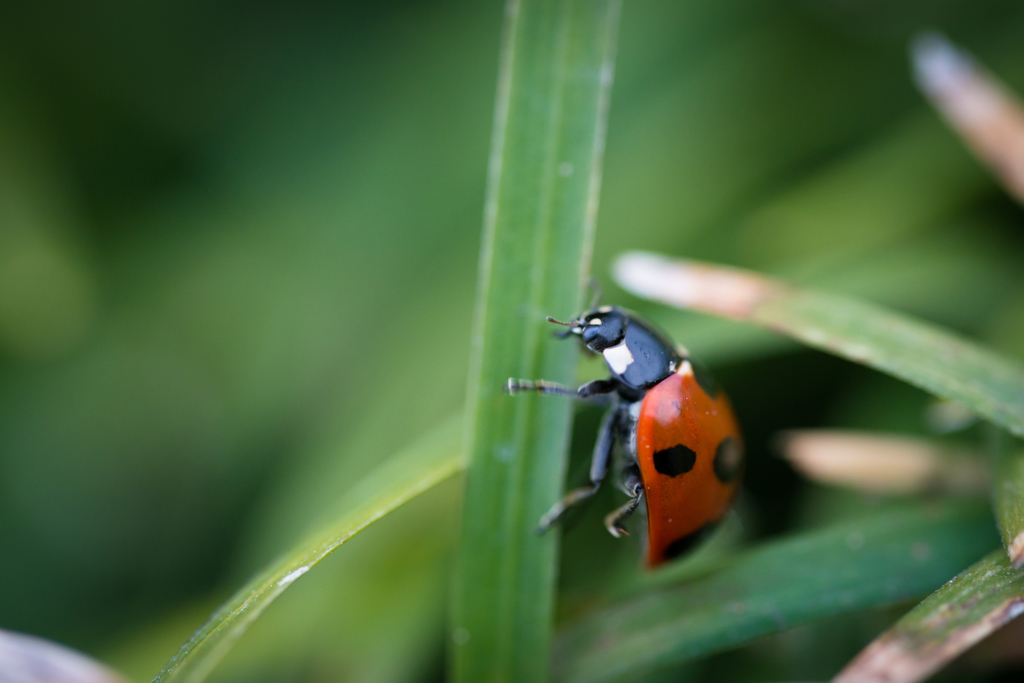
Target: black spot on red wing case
{"points": [[675, 461], [728, 460], [704, 378], [683, 545]]}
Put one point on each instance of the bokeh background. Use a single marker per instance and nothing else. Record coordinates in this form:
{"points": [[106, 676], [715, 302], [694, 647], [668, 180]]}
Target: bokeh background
{"points": [[238, 245]]}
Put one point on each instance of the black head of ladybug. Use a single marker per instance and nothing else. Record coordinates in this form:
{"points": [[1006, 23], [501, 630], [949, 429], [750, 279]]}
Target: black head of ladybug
{"points": [[603, 328], [638, 355], [599, 328]]}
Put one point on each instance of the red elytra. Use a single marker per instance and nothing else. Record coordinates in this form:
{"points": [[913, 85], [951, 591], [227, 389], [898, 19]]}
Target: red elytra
{"points": [[683, 506]]}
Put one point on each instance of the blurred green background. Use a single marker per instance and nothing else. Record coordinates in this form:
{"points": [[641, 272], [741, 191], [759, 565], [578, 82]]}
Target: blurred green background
{"points": [[238, 245]]}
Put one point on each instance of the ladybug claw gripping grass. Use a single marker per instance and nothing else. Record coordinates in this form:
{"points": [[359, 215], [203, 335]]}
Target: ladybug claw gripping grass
{"points": [[681, 451]]}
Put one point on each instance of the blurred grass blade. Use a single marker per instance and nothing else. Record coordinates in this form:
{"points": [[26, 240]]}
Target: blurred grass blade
{"points": [[422, 466], [1008, 495], [923, 355], [883, 463], [882, 559], [986, 114], [545, 168], [952, 619], [26, 659]]}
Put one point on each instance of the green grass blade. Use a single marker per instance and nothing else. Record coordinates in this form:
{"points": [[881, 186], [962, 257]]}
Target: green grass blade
{"points": [[554, 86], [923, 355], [885, 558], [425, 464], [1008, 500], [952, 619]]}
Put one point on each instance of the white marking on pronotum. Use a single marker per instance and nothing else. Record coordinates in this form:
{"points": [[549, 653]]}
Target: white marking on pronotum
{"points": [[619, 357], [595, 321], [685, 369], [291, 576]]}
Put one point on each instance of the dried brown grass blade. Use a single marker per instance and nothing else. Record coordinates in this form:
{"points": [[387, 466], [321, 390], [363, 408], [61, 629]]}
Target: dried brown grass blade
{"points": [[986, 114], [27, 659], [882, 463], [951, 620], [936, 360], [1008, 498]]}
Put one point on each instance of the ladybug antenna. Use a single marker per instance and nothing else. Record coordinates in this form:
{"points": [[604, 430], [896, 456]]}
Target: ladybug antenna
{"points": [[595, 287], [566, 333]]}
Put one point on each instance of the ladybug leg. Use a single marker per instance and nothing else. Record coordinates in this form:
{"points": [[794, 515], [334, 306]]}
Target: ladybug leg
{"points": [[598, 387], [598, 470], [541, 386], [633, 486]]}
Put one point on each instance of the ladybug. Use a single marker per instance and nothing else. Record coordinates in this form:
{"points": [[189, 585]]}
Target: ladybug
{"points": [[681, 449]]}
